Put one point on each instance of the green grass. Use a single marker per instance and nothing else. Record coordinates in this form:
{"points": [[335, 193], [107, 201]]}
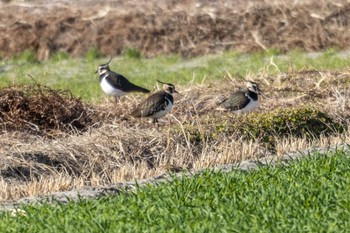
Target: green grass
{"points": [[78, 74], [312, 195]]}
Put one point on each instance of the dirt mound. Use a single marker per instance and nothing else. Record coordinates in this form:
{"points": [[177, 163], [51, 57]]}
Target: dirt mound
{"points": [[40, 110], [187, 27]]}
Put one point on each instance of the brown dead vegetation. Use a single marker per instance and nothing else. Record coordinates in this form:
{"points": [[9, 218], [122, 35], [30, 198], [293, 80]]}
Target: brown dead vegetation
{"points": [[187, 27], [41, 110], [120, 148], [51, 141]]}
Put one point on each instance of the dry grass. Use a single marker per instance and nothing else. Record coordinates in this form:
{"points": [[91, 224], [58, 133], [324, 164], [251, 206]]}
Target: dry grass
{"points": [[124, 149], [187, 27], [39, 109]]}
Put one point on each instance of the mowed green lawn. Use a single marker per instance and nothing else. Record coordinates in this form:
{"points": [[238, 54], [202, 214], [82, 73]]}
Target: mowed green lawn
{"points": [[310, 195], [78, 75]]}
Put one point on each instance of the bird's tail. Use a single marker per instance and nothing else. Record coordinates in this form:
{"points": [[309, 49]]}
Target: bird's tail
{"points": [[140, 89]]}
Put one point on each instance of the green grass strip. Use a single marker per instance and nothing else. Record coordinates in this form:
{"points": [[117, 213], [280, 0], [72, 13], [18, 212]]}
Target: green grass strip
{"points": [[78, 75], [311, 195]]}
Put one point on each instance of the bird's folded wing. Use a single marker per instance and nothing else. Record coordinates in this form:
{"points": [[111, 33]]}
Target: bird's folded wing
{"points": [[151, 105], [236, 101]]}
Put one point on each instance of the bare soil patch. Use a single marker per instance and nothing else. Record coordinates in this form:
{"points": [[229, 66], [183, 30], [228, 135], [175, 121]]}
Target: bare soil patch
{"points": [[186, 27], [114, 147]]}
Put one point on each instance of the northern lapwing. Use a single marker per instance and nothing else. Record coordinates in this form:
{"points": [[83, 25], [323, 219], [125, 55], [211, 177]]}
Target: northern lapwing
{"points": [[156, 105], [116, 84], [242, 101]]}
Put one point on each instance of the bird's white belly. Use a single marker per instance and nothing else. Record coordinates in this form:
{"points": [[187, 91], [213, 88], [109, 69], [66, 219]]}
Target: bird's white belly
{"points": [[110, 90], [252, 104], [164, 112]]}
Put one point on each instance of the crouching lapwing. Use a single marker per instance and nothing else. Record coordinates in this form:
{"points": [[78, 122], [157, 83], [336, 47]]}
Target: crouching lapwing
{"points": [[242, 101], [156, 105], [116, 84]]}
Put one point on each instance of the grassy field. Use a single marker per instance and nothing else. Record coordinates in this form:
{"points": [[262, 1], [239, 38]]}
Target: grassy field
{"points": [[79, 76], [53, 142], [310, 195], [312, 110]]}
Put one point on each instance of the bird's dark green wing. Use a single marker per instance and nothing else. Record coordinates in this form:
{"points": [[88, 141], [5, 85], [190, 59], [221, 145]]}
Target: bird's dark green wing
{"points": [[120, 82], [235, 101], [154, 103]]}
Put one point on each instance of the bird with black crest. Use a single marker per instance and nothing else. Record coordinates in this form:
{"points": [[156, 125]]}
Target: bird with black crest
{"points": [[156, 105], [242, 101], [115, 84]]}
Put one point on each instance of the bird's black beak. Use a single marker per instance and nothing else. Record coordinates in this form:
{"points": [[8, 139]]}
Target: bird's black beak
{"points": [[178, 93], [96, 71]]}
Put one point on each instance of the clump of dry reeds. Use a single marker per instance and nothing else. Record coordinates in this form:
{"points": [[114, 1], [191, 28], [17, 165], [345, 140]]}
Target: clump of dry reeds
{"points": [[38, 109]]}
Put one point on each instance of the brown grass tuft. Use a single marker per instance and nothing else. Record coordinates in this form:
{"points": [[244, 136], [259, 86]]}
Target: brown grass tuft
{"points": [[122, 148], [41, 110], [188, 27]]}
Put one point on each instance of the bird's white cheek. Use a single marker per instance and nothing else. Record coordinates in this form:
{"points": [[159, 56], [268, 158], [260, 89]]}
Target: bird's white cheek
{"points": [[100, 72]]}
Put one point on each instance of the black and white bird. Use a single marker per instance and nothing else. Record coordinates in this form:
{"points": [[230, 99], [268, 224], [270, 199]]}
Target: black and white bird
{"points": [[242, 101], [116, 84], [156, 105]]}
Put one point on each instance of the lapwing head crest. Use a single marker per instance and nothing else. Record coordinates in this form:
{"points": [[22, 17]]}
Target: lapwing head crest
{"points": [[253, 87], [168, 87], [103, 68]]}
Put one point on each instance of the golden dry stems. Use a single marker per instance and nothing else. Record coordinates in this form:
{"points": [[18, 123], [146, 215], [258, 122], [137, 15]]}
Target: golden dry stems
{"points": [[133, 168], [117, 148], [188, 27]]}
